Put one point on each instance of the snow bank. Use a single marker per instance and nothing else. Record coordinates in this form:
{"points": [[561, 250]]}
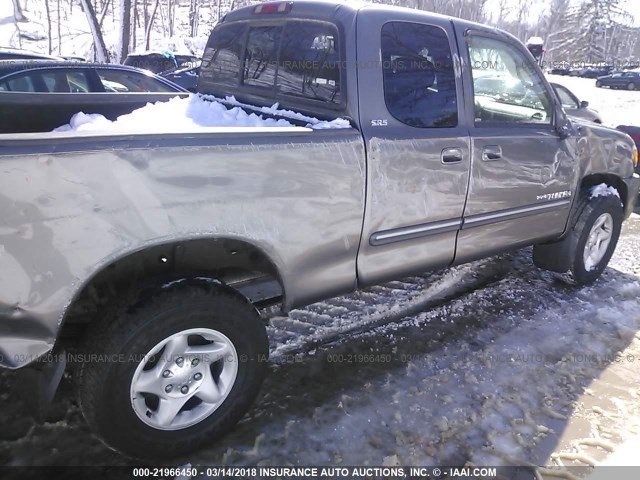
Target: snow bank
{"points": [[193, 113], [603, 190]]}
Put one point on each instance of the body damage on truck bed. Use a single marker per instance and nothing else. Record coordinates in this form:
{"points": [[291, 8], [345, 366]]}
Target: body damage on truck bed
{"points": [[79, 204]]}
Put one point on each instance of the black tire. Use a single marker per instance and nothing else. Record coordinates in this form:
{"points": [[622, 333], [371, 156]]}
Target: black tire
{"points": [[133, 330], [598, 83], [631, 86], [592, 210]]}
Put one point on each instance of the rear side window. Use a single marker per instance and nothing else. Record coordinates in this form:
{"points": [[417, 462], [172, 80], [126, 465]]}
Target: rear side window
{"points": [[418, 75], [21, 83]]}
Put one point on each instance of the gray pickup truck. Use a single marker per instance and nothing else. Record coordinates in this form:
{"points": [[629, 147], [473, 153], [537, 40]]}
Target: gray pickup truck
{"points": [[139, 261]]}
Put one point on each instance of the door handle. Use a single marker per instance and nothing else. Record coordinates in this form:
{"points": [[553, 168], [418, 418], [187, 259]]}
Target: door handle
{"points": [[451, 155], [491, 152]]}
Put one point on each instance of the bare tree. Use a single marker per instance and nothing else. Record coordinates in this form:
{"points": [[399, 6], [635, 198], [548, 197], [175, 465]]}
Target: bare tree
{"points": [[125, 29], [48, 9], [102, 54], [59, 28], [18, 14], [149, 25]]}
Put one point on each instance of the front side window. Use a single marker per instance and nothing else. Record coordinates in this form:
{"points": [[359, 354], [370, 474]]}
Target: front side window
{"points": [[62, 81], [507, 87], [418, 75]]}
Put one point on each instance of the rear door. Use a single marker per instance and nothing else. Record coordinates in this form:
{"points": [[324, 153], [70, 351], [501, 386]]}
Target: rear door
{"points": [[523, 173], [411, 115]]}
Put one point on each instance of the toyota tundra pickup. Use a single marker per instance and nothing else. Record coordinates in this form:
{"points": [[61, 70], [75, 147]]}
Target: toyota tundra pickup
{"points": [[148, 254]]}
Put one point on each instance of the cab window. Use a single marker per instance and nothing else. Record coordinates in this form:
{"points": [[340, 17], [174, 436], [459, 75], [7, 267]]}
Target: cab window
{"points": [[507, 87], [418, 75]]}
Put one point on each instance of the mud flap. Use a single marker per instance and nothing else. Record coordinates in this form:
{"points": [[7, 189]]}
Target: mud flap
{"points": [[38, 386], [555, 256]]}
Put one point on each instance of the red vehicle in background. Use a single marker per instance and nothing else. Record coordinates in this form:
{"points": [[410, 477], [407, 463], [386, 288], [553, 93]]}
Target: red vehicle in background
{"points": [[633, 132]]}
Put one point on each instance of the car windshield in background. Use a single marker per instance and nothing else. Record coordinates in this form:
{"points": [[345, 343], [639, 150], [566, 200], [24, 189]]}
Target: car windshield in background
{"points": [[158, 62]]}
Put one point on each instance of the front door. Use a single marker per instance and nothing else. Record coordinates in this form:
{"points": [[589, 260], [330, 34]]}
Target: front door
{"points": [[411, 113], [522, 171]]}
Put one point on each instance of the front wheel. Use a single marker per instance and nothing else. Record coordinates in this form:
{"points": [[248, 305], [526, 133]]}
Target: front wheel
{"points": [[174, 372], [598, 83], [595, 237]]}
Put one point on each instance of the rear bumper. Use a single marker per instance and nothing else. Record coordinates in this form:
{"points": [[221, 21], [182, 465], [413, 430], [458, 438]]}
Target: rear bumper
{"points": [[633, 189]]}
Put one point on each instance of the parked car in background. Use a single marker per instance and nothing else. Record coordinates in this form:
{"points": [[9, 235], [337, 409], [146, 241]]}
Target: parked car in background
{"points": [[626, 80], [157, 62], [185, 77], [45, 76], [16, 54], [573, 106], [559, 71], [74, 58], [596, 72]]}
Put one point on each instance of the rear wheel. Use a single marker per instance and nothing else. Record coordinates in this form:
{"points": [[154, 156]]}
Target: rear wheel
{"points": [[631, 86], [178, 370]]}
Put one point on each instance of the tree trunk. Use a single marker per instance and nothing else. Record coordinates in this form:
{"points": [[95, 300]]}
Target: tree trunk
{"points": [[101, 52], [192, 17], [147, 33], [125, 29], [18, 14], [48, 10], [59, 30], [134, 25]]}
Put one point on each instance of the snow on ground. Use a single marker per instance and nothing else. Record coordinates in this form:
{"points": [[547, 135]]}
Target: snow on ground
{"points": [[495, 362], [192, 114], [617, 107]]}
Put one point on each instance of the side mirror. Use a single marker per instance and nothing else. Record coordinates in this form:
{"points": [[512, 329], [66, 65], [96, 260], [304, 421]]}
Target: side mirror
{"points": [[584, 104]]}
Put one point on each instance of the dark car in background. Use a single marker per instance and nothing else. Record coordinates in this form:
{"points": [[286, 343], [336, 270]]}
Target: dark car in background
{"points": [[161, 62], [186, 77], [575, 107], [16, 54], [623, 80], [596, 72], [44, 76], [560, 71]]}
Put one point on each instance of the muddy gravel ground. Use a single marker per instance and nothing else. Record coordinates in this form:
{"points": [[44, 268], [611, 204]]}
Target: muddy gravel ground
{"points": [[491, 363]]}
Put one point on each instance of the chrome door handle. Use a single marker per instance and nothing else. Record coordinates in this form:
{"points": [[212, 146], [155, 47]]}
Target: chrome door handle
{"points": [[491, 152], [451, 155]]}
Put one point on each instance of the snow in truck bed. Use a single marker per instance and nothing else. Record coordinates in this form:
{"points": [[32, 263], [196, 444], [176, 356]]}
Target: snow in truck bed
{"points": [[194, 113]]}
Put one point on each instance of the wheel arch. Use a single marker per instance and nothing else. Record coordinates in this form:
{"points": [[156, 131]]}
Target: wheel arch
{"points": [[234, 262], [609, 179]]}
